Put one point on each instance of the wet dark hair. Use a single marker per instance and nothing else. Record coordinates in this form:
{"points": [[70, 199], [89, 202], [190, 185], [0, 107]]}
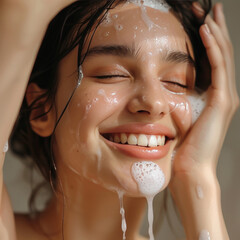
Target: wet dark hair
{"points": [[69, 29]]}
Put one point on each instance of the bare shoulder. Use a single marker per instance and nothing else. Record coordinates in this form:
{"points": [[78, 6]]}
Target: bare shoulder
{"points": [[25, 228]]}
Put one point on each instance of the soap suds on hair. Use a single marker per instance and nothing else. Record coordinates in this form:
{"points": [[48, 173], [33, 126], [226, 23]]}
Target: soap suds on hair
{"points": [[159, 5]]}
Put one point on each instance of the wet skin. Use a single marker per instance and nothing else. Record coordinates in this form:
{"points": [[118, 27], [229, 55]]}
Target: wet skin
{"points": [[137, 75]]}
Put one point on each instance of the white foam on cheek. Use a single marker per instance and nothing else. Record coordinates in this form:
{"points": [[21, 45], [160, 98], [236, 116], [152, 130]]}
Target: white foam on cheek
{"points": [[159, 5], [149, 177], [89, 107], [113, 100], [198, 103], [204, 235]]}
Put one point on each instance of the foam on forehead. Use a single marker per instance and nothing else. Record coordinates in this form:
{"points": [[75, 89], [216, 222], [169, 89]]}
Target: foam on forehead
{"points": [[156, 4]]}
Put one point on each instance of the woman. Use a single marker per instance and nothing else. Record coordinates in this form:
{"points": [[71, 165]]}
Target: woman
{"points": [[108, 103]]}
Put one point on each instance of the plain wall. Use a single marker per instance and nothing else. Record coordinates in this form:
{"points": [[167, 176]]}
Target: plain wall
{"points": [[17, 177]]}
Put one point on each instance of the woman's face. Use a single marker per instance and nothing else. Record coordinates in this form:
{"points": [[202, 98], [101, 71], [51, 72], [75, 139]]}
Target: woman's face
{"points": [[131, 105]]}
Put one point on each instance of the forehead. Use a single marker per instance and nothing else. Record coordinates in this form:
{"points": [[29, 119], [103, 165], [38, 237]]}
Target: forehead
{"points": [[141, 26]]}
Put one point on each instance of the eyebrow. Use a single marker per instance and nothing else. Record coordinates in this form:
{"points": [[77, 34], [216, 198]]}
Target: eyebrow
{"points": [[126, 51]]}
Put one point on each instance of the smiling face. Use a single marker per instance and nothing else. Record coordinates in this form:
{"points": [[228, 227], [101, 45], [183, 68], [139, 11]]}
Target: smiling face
{"points": [[132, 102]]}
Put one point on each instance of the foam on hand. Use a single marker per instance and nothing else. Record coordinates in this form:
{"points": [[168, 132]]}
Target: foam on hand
{"points": [[204, 235], [149, 177]]}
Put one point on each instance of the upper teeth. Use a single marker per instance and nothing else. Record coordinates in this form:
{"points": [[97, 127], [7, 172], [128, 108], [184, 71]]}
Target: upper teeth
{"points": [[138, 139]]}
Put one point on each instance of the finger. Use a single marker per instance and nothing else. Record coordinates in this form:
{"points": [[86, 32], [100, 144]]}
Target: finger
{"points": [[224, 44], [227, 52], [215, 58], [220, 19]]}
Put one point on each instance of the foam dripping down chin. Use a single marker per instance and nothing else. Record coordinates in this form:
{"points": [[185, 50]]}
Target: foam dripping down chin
{"points": [[149, 177]]}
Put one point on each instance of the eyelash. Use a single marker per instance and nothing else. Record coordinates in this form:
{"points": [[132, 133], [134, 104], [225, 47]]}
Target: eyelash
{"points": [[123, 76], [178, 84], [110, 76]]}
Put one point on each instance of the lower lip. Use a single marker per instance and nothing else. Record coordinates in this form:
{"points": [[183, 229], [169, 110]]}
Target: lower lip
{"points": [[147, 153]]}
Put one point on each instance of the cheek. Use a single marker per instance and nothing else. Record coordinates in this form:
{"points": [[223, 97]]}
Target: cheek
{"points": [[89, 107], [77, 136], [180, 111]]}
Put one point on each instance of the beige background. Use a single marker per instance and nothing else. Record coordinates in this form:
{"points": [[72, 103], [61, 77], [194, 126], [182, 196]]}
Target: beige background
{"points": [[17, 177]]}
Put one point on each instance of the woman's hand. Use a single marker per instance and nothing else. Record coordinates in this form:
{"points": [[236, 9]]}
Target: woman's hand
{"points": [[22, 27], [202, 145], [194, 184]]}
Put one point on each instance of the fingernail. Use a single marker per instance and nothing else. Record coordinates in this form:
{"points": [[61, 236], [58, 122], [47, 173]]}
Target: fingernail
{"points": [[206, 29], [197, 6]]}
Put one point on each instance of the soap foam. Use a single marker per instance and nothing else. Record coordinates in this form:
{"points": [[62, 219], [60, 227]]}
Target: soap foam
{"points": [[5, 148], [199, 191], [149, 177], [150, 217], [159, 5], [204, 235], [122, 212], [80, 75], [198, 103]]}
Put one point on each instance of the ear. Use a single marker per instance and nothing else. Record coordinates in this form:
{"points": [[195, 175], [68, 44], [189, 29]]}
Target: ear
{"points": [[43, 125]]}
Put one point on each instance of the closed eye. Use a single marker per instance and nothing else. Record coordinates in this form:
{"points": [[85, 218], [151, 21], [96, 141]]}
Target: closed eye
{"points": [[110, 76], [175, 87], [177, 83]]}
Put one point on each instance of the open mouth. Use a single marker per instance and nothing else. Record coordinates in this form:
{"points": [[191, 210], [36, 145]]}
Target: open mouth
{"points": [[142, 140]]}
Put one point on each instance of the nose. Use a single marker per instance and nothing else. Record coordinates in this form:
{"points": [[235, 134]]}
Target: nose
{"points": [[149, 99]]}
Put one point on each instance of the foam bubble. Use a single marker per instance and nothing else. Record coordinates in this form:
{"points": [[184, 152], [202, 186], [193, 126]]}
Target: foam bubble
{"points": [[107, 20], [199, 191], [118, 27], [198, 103], [80, 75], [149, 176], [5, 148], [204, 235], [159, 5], [122, 212]]}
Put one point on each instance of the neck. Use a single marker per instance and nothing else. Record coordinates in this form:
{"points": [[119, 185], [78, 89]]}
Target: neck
{"points": [[91, 212]]}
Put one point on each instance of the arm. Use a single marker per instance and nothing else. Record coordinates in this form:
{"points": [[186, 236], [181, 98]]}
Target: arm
{"points": [[22, 27], [194, 184]]}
